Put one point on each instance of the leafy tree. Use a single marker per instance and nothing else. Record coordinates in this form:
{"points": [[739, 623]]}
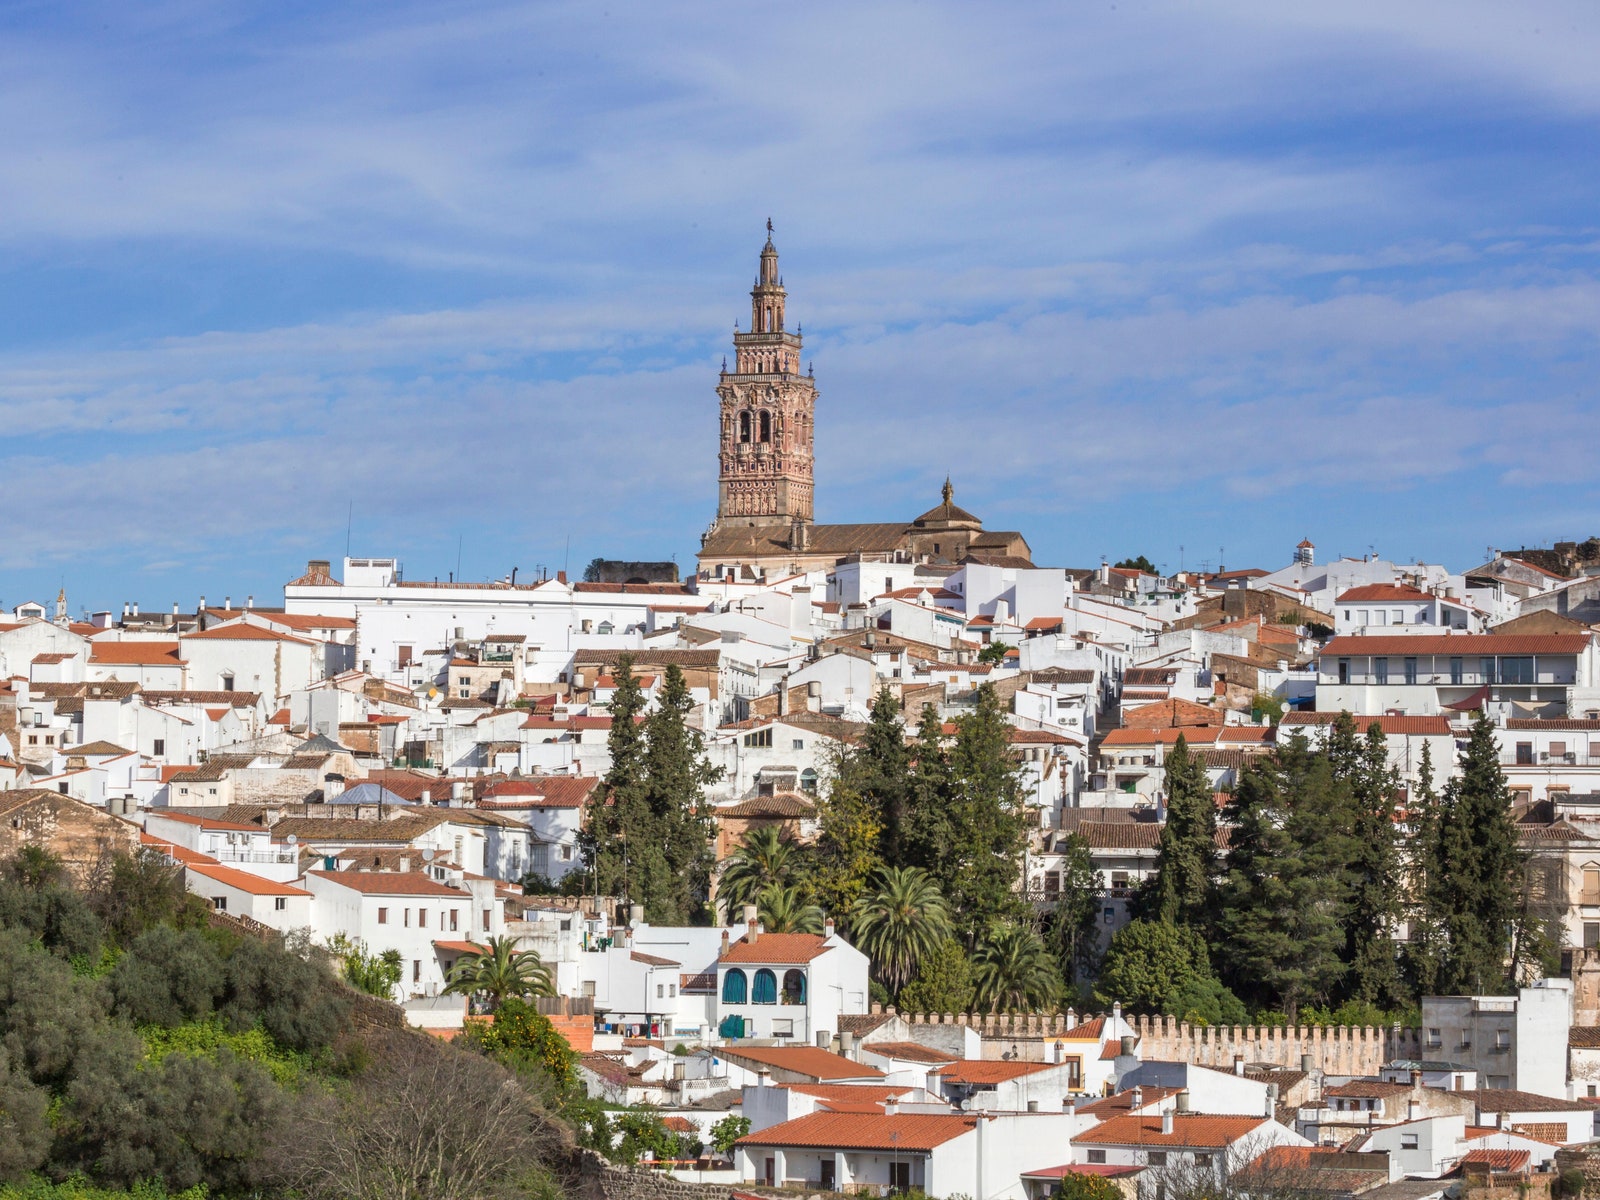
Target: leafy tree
{"points": [[168, 977], [995, 653], [591, 573], [728, 1131], [1140, 563], [1265, 704], [943, 984], [1150, 965], [522, 1038], [500, 971], [1282, 902], [641, 1131], [291, 997], [1375, 877], [900, 922], [375, 974], [972, 820], [1086, 1187], [1070, 928], [767, 856], [785, 910], [1480, 869], [35, 868], [25, 1133], [1183, 889], [1014, 970], [132, 892], [847, 852]]}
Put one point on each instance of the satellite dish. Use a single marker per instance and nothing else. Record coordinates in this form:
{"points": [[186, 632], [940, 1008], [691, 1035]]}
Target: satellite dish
{"points": [[427, 856], [293, 839]]}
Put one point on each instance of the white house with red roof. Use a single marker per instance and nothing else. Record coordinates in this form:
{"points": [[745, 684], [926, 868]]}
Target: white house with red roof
{"points": [[247, 656], [553, 807], [234, 844], [279, 905], [149, 662], [1186, 1144], [943, 1154], [1404, 608], [788, 985]]}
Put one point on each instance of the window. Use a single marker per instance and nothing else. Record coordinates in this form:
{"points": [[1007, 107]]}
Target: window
{"points": [[405, 917], [672, 991], [383, 916], [794, 986], [1591, 935], [566, 854], [744, 426], [1456, 673], [1202, 1160], [455, 916], [798, 744], [1157, 1158], [1411, 670], [783, 1028], [734, 987], [1397, 617], [159, 747], [761, 737], [1408, 1141], [1380, 670], [1097, 1156], [227, 681], [220, 903], [1524, 754], [1486, 669], [1435, 1037], [1558, 750], [1502, 1039], [280, 903], [766, 427], [808, 781], [416, 970], [661, 991], [765, 990], [1344, 670], [1516, 670], [33, 740], [488, 918]]}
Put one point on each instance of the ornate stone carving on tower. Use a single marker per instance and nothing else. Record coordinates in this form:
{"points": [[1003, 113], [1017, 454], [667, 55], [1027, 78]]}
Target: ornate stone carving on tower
{"points": [[767, 412]]}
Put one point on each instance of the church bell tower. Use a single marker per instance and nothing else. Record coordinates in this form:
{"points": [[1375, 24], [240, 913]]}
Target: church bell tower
{"points": [[767, 411]]}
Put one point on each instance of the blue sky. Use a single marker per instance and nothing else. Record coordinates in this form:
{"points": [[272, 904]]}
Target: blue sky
{"points": [[1139, 276]]}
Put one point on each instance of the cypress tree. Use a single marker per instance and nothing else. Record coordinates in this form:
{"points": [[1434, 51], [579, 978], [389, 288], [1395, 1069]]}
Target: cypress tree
{"points": [[849, 837], [1480, 869], [1375, 885], [1423, 894], [619, 825], [882, 773], [1183, 889], [972, 820], [1280, 921], [676, 775]]}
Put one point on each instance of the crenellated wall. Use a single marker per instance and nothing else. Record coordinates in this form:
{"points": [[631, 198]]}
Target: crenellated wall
{"points": [[1335, 1050]]}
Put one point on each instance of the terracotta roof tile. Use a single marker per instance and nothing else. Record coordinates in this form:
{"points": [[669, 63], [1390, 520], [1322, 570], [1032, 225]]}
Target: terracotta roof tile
{"points": [[856, 1131], [822, 1065], [244, 881], [777, 948], [1189, 1129], [386, 883], [981, 1071]]}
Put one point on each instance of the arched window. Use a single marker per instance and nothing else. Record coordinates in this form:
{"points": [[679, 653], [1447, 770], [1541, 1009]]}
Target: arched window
{"points": [[769, 318], [744, 426], [734, 987], [766, 988], [794, 986], [808, 781], [766, 427]]}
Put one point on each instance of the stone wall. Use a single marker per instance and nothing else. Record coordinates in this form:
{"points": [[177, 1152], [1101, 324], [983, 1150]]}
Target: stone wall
{"points": [[599, 1180]]}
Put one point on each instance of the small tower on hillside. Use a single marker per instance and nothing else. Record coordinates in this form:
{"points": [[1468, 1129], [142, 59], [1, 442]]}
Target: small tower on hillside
{"points": [[1305, 553]]}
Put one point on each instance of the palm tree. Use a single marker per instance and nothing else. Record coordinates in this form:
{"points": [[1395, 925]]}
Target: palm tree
{"points": [[900, 920], [1015, 970], [500, 970], [765, 858], [784, 910]]}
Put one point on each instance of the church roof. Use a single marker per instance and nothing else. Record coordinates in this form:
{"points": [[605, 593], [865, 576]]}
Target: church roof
{"points": [[741, 541], [946, 512]]}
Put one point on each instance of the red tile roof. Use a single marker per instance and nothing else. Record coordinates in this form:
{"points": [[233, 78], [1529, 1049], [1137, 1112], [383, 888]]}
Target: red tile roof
{"points": [[980, 1072], [167, 814], [821, 1065], [855, 1131], [540, 791], [390, 883], [459, 947], [1391, 725], [776, 948], [1497, 1160], [133, 654], [1188, 1129], [1381, 591], [244, 881], [246, 633], [908, 1052]]}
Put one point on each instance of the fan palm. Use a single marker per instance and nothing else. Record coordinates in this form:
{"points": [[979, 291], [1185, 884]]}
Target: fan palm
{"points": [[765, 858], [900, 920], [784, 910], [1015, 970], [500, 970]]}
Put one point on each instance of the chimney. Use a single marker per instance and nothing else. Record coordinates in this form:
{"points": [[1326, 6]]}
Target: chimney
{"points": [[1183, 1100], [724, 953], [1033, 1106], [227, 603], [136, 608], [847, 1044], [1272, 1100], [1307, 1063], [891, 1107], [824, 1039], [783, 698], [250, 601], [1166, 1121], [1416, 1081], [1238, 1064], [752, 928], [1136, 1101], [635, 915], [1128, 1043], [405, 862], [1116, 1011], [827, 927], [764, 1078], [174, 614], [1071, 1105], [561, 576]]}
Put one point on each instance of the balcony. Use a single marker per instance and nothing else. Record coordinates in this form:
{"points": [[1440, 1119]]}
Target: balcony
{"points": [[261, 857], [1544, 758]]}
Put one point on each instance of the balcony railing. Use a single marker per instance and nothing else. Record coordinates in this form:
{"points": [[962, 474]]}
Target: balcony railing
{"points": [[1543, 758], [263, 857]]}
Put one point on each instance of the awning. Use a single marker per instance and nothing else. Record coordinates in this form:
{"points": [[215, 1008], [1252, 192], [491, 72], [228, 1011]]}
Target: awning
{"points": [[1472, 702]]}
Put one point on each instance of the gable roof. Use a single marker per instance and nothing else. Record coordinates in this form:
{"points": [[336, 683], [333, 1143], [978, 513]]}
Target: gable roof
{"points": [[1188, 1129], [245, 633], [820, 1064], [244, 881], [391, 883], [777, 948], [135, 654], [980, 1072], [858, 1131]]}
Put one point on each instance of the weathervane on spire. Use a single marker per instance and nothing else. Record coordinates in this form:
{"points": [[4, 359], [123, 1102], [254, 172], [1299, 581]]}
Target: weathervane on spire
{"points": [[947, 492], [769, 226]]}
